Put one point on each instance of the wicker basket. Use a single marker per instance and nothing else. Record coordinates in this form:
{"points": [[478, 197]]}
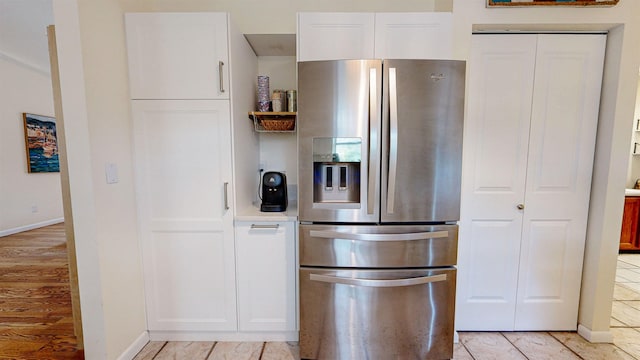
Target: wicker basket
{"points": [[278, 125]]}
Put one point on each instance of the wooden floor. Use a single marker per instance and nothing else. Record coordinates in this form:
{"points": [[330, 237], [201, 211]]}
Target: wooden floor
{"points": [[35, 301]]}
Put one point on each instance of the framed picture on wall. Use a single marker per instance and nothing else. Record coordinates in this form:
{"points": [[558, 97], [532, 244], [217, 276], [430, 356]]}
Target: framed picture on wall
{"points": [[516, 3], [41, 142]]}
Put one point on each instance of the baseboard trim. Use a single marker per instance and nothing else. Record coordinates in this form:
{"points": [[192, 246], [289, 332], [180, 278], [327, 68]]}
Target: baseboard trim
{"points": [[156, 335], [595, 336], [135, 347], [30, 227]]}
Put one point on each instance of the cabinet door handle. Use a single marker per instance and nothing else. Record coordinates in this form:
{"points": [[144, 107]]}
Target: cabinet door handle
{"points": [[226, 196], [220, 65], [257, 226]]}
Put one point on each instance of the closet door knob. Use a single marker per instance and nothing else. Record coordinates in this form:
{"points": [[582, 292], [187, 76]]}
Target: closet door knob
{"points": [[520, 206]]}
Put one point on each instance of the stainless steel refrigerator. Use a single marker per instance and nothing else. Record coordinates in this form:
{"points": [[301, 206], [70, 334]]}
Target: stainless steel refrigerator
{"points": [[380, 152]]}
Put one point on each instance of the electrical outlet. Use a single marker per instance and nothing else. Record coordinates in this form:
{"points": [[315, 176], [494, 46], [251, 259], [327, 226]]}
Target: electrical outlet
{"points": [[34, 209], [262, 166]]}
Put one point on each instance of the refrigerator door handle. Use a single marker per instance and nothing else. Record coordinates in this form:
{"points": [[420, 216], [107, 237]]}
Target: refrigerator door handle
{"points": [[327, 234], [378, 283], [374, 120], [393, 140]]}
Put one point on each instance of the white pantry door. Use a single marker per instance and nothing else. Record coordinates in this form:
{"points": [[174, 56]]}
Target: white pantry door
{"points": [[496, 140], [529, 146], [183, 185], [564, 120]]}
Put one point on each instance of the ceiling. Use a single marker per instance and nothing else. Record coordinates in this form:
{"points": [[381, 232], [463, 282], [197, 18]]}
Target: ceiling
{"points": [[23, 32]]}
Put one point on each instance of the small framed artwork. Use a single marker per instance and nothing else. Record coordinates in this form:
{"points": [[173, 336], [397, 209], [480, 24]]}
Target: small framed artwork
{"points": [[516, 3], [41, 142]]}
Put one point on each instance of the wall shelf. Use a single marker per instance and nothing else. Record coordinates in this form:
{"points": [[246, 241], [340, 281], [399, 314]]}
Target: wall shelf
{"points": [[284, 122]]}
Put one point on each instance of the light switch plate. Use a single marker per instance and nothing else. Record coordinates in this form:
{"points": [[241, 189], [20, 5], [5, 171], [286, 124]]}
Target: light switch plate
{"points": [[111, 172]]}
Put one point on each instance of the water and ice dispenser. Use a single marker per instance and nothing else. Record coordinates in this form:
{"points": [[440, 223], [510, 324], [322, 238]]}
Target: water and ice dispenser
{"points": [[336, 171]]}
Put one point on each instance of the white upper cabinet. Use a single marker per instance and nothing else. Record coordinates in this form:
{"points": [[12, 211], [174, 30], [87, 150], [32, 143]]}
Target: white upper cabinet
{"points": [[333, 36], [414, 35], [337, 36], [177, 55]]}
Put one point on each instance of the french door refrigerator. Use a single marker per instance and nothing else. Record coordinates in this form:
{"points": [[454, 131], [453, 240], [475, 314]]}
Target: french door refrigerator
{"points": [[380, 151]]}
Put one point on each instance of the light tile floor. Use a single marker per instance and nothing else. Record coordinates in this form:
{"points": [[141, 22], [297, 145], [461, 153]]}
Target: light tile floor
{"points": [[625, 325]]}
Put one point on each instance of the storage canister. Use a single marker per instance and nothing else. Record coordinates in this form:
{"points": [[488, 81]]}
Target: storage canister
{"points": [[292, 105]]}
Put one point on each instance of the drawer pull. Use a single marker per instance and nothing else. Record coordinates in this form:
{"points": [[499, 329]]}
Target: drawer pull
{"points": [[257, 226]]}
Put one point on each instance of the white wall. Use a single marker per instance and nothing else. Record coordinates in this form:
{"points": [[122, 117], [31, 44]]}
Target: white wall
{"points": [[612, 149], [279, 151], [94, 84], [24, 89]]}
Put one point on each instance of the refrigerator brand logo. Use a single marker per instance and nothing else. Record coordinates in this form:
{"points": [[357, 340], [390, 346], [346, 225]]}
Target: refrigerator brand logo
{"points": [[437, 77]]}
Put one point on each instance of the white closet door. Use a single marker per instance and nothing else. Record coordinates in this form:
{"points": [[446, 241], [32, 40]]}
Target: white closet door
{"points": [[335, 36], [500, 83], [414, 35], [561, 149], [183, 160]]}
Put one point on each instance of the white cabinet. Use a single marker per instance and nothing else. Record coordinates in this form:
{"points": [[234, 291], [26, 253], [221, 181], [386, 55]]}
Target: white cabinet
{"points": [[414, 35], [334, 36], [266, 276], [183, 181], [331, 36], [178, 55], [528, 157], [182, 137]]}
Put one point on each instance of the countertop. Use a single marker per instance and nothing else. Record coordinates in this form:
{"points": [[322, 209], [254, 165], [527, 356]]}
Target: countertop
{"points": [[632, 192], [253, 213]]}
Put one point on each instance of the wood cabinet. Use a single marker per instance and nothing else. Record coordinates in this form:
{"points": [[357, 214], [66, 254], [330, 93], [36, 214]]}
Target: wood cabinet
{"points": [[178, 55], [336, 36], [629, 239], [266, 276], [529, 146]]}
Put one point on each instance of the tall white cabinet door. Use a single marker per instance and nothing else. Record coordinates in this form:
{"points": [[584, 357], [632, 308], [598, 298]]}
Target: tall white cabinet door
{"points": [[177, 55], [335, 36], [500, 85], [266, 267], [561, 149], [414, 35], [183, 175]]}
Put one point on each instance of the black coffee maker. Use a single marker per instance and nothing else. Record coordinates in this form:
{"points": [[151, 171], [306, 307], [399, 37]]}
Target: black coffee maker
{"points": [[274, 192]]}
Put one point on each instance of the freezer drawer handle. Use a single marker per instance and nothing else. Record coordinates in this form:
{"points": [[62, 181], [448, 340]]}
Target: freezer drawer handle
{"points": [[378, 283], [379, 237]]}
